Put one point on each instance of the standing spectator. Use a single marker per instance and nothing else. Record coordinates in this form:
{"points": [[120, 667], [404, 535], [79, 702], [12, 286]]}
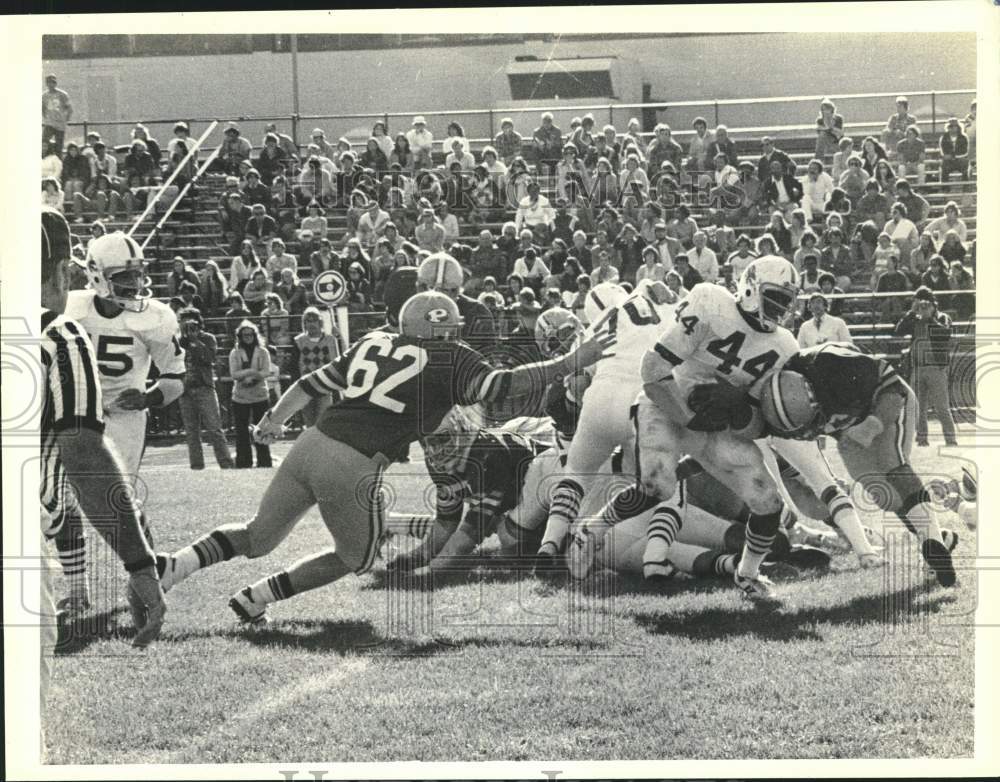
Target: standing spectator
{"points": [[936, 277], [235, 150], [892, 280], [311, 350], [200, 403], [930, 342], [782, 191], [508, 141], [817, 187], [829, 129], [916, 205], [279, 260], [698, 154], [897, 125], [243, 266], [75, 171], [702, 259], [823, 327], [770, 153], [421, 143], [213, 289], [604, 271], [911, 154], [723, 145], [56, 114], [845, 150], [256, 290], [954, 147], [292, 292], [548, 142], [249, 367], [661, 148], [950, 222]]}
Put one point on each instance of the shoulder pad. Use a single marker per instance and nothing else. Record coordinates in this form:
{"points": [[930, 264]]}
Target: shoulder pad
{"points": [[78, 303], [708, 299]]}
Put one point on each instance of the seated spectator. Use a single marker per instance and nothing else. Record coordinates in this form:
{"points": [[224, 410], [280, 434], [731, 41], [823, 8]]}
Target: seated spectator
{"points": [[741, 257], [492, 298], [886, 179], [449, 223], [256, 291], [401, 154], [950, 222], [666, 246], [873, 205], [845, 151], [897, 125], [689, 277], [969, 124], [371, 224], [274, 323], [892, 280], [633, 184], [675, 282], [548, 142], [807, 246], [578, 301], [854, 179], [102, 198], [341, 148], [556, 257], [507, 142], [916, 205], [771, 153], [602, 149], [508, 242], [315, 222], [182, 138], [235, 150], [951, 248], [51, 163], [902, 231], [518, 180], [392, 235], [325, 258], [53, 196], [651, 268], [254, 191], [421, 143], [243, 266], [798, 227], [782, 191], [535, 212], [572, 177], [809, 280], [279, 260], [839, 208], [236, 313], [920, 257], [515, 283], [604, 183], [373, 157], [260, 227], [817, 187], [683, 227], [829, 129], [213, 289], [723, 145], [703, 259], [836, 258], [496, 168], [961, 280], [180, 272], [138, 162], [937, 276], [355, 253], [884, 250], [571, 272], [740, 203], [724, 192], [430, 234], [531, 269], [359, 294], [316, 184], [765, 245], [911, 155], [828, 286], [455, 132], [75, 172], [187, 292], [721, 237], [292, 292], [458, 154], [604, 271], [629, 247], [954, 146], [698, 155], [780, 233]]}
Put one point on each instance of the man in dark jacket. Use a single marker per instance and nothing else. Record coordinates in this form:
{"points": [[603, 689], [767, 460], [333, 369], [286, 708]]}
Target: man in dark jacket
{"points": [[771, 152], [930, 341], [199, 402], [781, 190]]}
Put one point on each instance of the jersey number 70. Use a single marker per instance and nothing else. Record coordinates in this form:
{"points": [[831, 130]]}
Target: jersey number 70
{"points": [[363, 372]]}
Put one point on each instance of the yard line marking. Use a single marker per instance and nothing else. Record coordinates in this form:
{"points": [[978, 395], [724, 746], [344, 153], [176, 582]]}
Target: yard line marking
{"points": [[246, 723]]}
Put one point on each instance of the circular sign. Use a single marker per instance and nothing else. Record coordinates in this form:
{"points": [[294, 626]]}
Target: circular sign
{"points": [[330, 287]]}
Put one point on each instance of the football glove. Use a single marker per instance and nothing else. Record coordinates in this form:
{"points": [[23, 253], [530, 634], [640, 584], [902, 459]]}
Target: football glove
{"points": [[147, 605], [718, 406]]}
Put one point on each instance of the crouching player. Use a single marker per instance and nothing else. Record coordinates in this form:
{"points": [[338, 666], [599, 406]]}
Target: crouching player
{"points": [[870, 412], [395, 387]]}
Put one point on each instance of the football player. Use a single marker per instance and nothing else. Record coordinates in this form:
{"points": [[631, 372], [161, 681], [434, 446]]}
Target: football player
{"points": [[395, 388], [870, 411], [130, 331], [443, 273], [694, 402], [636, 321]]}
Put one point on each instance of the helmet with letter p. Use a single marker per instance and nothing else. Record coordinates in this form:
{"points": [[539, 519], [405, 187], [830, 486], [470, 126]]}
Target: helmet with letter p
{"points": [[789, 406], [555, 331], [767, 289], [116, 271], [430, 315]]}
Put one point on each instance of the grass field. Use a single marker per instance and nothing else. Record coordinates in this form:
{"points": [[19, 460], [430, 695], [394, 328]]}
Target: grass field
{"points": [[491, 664]]}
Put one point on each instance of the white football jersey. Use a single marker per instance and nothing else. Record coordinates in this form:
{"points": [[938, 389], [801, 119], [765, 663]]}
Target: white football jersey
{"points": [[127, 343], [636, 324], [711, 340]]}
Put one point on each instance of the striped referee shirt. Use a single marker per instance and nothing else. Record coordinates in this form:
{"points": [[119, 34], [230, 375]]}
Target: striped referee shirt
{"points": [[72, 402]]}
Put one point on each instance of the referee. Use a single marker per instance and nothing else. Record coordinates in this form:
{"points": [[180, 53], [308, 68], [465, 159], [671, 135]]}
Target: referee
{"points": [[77, 463]]}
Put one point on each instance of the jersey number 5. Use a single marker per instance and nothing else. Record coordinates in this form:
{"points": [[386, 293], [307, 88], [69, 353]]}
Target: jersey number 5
{"points": [[362, 372], [728, 350], [113, 364]]}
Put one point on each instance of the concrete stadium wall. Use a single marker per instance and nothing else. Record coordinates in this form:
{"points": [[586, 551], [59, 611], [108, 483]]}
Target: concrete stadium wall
{"points": [[472, 77]]}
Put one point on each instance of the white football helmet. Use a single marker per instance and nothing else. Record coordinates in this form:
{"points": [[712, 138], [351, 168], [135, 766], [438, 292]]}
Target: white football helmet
{"points": [[555, 331], [430, 315], [601, 298], [656, 291], [788, 404], [767, 290], [441, 272], [116, 270]]}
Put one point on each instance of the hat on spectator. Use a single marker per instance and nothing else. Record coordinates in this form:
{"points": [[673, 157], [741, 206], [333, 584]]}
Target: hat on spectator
{"points": [[271, 137], [419, 120], [923, 293]]}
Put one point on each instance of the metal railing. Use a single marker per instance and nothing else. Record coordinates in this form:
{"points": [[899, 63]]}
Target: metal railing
{"points": [[746, 115]]}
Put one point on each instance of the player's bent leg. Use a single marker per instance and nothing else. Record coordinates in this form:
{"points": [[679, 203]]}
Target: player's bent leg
{"points": [[706, 530]]}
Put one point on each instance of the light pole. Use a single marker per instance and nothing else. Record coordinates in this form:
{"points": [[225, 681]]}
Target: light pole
{"points": [[295, 87]]}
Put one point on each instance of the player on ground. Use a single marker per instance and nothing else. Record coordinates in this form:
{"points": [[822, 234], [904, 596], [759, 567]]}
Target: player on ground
{"points": [[396, 388], [694, 402], [76, 460], [870, 412], [636, 322], [130, 331]]}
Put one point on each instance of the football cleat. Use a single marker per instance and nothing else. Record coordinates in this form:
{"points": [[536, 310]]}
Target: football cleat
{"points": [[166, 568], [760, 588], [658, 571], [248, 610], [581, 553], [803, 535], [938, 559], [871, 561]]}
